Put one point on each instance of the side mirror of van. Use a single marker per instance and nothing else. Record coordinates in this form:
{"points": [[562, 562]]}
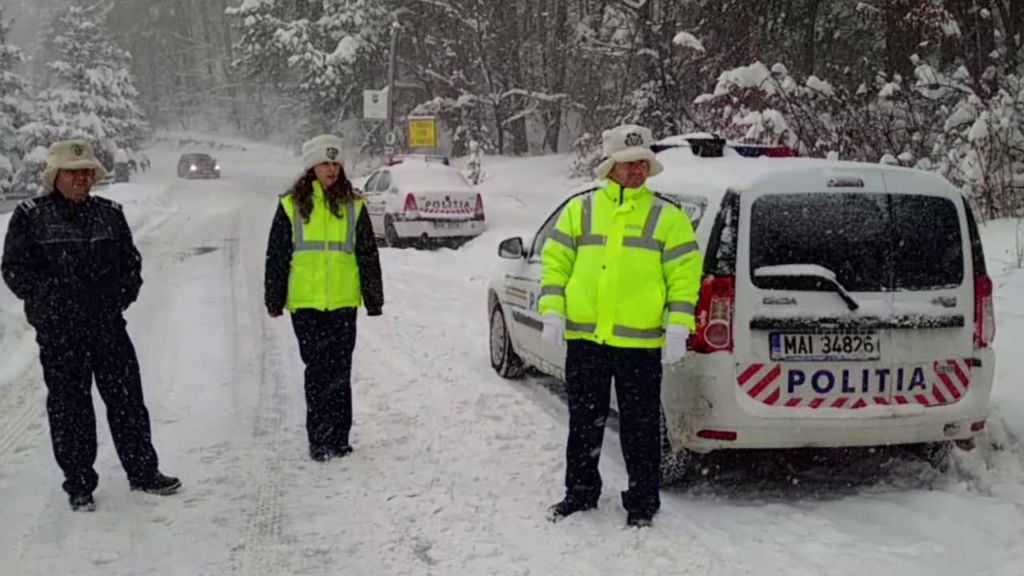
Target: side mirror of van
{"points": [[511, 248]]}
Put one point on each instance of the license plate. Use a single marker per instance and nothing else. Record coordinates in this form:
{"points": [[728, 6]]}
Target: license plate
{"points": [[447, 225], [825, 346]]}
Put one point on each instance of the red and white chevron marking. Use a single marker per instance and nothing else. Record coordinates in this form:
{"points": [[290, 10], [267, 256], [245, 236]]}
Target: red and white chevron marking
{"points": [[950, 382], [468, 211], [955, 379]]}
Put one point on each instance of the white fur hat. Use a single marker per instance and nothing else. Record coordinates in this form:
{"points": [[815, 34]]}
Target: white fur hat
{"points": [[71, 155], [322, 148], [627, 143]]}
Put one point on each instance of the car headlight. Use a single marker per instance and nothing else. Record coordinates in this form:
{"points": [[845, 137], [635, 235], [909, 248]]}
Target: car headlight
{"points": [[193, 168], [216, 167]]}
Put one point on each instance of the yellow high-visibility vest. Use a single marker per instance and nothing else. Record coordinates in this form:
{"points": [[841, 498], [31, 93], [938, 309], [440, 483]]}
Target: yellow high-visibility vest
{"points": [[620, 265], [324, 271]]}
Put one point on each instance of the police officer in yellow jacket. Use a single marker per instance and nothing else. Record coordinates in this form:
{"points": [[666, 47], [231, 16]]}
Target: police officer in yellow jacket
{"points": [[621, 275], [322, 264]]}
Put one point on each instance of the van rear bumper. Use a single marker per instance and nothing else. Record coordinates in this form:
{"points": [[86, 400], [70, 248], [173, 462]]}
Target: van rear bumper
{"points": [[439, 228], [701, 395]]}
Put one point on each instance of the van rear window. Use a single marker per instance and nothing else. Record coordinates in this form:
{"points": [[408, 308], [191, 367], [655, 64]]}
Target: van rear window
{"points": [[872, 242]]}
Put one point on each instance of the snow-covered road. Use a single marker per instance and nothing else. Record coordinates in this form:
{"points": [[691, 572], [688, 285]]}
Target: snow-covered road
{"points": [[453, 466]]}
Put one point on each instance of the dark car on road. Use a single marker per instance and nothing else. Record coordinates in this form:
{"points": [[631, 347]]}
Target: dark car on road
{"points": [[195, 165]]}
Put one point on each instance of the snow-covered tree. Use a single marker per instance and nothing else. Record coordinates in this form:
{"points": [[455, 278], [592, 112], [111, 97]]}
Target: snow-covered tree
{"points": [[969, 130], [14, 107], [91, 91], [318, 52]]}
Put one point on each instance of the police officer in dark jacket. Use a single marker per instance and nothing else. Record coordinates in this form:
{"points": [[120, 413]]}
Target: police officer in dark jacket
{"points": [[322, 264], [70, 257]]}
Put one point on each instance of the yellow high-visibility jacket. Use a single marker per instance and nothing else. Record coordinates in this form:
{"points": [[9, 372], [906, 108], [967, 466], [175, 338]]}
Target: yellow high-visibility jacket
{"points": [[620, 265], [324, 273]]}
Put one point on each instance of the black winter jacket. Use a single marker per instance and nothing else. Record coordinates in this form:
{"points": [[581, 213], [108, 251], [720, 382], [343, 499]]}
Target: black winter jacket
{"points": [[279, 264], [71, 263]]}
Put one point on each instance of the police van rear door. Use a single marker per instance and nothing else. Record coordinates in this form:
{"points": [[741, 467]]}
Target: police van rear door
{"points": [[814, 307], [933, 291]]}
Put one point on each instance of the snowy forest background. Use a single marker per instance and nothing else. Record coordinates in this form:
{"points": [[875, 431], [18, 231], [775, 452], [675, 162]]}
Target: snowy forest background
{"points": [[934, 84]]}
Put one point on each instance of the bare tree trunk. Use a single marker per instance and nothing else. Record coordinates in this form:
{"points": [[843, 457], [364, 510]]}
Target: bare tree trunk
{"points": [[977, 38], [556, 60], [1011, 13], [810, 39], [901, 37]]}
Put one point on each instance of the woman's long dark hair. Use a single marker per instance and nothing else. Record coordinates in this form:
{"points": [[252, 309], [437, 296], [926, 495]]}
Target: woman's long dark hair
{"points": [[340, 193]]}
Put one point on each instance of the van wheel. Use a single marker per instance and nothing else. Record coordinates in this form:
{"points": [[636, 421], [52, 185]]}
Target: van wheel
{"points": [[390, 234], [678, 467], [504, 359]]}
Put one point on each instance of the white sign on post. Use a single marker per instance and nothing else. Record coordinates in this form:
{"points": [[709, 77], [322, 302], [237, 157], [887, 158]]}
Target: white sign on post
{"points": [[375, 105]]}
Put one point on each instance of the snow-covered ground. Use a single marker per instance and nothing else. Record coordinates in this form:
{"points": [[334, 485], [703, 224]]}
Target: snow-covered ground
{"points": [[453, 466]]}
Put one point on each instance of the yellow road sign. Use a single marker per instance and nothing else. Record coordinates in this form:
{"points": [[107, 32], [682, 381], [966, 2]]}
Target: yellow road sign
{"points": [[422, 132]]}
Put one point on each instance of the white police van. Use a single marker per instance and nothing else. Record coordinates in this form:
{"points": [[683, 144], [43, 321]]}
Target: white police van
{"points": [[421, 199], [842, 304]]}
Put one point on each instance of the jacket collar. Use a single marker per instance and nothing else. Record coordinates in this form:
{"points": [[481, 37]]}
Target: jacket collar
{"points": [[67, 207], [619, 195]]}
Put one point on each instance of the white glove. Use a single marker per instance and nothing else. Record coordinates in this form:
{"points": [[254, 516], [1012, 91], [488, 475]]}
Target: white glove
{"points": [[675, 344], [554, 329]]}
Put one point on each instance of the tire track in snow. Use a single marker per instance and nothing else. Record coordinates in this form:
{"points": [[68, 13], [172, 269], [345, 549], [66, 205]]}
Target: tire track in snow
{"points": [[22, 413], [258, 553]]}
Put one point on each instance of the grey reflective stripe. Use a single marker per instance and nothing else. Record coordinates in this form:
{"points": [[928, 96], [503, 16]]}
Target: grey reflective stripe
{"points": [[679, 251], [644, 243], [586, 238], [647, 241], [588, 209], [652, 219], [350, 230], [639, 334], [552, 291], [562, 238], [348, 246], [684, 307], [577, 327], [300, 236]]}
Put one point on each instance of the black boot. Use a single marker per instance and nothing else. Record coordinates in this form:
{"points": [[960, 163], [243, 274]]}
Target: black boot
{"points": [[568, 507], [340, 451], [319, 453], [158, 484], [639, 519], [82, 503]]}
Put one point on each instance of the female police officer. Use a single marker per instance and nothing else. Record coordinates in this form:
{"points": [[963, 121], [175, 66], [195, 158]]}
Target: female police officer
{"points": [[322, 263]]}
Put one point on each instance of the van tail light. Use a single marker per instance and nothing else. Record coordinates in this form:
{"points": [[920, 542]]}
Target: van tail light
{"points": [[780, 152], [410, 203], [715, 311], [478, 212], [984, 312]]}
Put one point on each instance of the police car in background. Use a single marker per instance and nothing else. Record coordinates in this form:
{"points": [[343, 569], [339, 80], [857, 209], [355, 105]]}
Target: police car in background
{"points": [[421, 199], [842, 304]]}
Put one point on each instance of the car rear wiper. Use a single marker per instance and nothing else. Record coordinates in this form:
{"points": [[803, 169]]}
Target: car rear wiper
{"points": [[809, 271]]}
